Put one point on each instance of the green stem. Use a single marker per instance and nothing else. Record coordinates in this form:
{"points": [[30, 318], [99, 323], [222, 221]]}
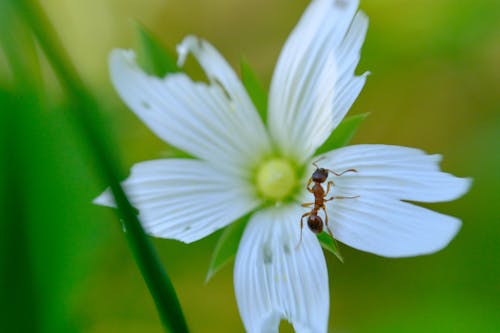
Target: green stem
{"points": [[152, 271]]}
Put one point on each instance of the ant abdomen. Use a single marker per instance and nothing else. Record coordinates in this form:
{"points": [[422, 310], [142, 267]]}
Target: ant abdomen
{"points": [[315, 223]]}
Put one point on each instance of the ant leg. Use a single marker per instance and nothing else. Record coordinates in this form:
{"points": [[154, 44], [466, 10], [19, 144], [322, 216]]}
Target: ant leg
{"points": [[340, 174], [341, 197], [301, 227], [330, 183], [308, 184], [309, 204], [326, 222]]}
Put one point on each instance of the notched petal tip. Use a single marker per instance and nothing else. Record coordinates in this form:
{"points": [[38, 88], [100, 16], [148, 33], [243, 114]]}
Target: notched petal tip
{"points": [[454, 187], [464, 187], [444, 234], [121, 58], [343, 4], [189, 44], [105, 199]]}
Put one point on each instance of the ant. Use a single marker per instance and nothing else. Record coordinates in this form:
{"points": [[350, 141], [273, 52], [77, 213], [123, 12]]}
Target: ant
{"points": [[314, 221]]}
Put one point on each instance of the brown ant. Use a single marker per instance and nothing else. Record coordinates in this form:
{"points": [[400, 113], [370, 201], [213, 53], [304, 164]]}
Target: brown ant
{"points": [[314, 222]]}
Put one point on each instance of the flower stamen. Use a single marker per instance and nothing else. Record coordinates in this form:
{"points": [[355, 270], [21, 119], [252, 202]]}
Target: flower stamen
{"points": [[276, 179]]}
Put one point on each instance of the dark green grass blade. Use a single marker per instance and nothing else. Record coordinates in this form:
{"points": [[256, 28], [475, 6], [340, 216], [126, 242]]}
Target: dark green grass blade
{"points": [[18, 288], [19, 293], [83, 105]]}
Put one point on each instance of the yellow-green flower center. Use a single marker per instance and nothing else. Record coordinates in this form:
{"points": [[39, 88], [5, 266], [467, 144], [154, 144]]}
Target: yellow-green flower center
{"points": [[276, 179]]}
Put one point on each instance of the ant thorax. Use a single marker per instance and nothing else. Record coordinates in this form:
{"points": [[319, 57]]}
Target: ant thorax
{"points": [[319, 194]]}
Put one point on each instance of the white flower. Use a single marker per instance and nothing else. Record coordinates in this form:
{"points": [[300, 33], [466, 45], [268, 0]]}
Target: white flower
{"points": [[243, 167]]}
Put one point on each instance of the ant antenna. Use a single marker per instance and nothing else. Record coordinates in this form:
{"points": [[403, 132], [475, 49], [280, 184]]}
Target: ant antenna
{"points": [[340, 174], [319, 159]]}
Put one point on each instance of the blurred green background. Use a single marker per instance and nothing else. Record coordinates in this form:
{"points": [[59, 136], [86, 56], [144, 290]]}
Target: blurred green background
{"points": [[434, 85]]}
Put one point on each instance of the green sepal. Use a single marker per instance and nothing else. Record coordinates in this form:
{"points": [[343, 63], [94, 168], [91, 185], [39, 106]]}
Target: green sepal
{"points": [[227, 245], [254, 89], [153, 57], [329, 244], [342, 134], [174, 152]]}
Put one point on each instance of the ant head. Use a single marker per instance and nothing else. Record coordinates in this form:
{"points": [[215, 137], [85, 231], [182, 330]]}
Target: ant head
{"points": [[315, 223], [320, 175]]}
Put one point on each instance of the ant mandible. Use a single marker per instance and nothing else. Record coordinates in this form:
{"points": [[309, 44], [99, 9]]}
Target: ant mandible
{"points": [[319, 176]]}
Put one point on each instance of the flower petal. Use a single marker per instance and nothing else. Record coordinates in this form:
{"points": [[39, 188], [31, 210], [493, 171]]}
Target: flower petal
{"points": [[377, 220], [201, 119], [220, 73], [184, 199], [313, 85], [393, 171], [388, 227], [275, 279]]}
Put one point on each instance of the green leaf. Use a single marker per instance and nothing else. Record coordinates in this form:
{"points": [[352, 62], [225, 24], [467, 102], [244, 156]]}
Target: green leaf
{"points": [[343, 133], [257, 94], [329, 244], [153, 57], [227, 245], [174, 152]]}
